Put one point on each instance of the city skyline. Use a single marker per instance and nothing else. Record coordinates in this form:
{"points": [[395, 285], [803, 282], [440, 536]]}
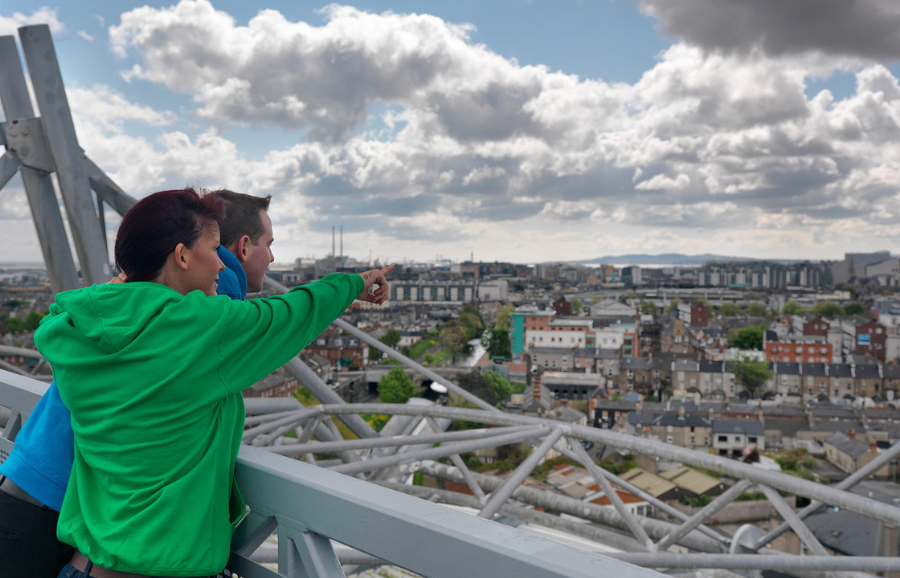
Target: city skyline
{"points": [[520, 131]]}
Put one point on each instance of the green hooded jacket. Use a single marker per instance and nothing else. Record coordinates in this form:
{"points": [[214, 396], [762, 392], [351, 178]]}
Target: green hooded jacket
{"points": [[153, 380]]}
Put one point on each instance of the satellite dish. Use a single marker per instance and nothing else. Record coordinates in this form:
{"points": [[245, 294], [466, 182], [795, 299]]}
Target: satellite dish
{"points": [[437, 387]]}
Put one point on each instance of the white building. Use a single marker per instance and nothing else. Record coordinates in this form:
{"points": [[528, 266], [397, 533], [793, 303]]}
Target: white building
{"points": [[497, 290]]}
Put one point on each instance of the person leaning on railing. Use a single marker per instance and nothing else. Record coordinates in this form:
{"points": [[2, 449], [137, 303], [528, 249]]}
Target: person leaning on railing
{"points": [[35, 476], [152, 372]]}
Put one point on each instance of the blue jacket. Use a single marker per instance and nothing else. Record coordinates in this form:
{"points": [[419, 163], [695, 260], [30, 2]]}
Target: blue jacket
{"points": [[41, 461]]}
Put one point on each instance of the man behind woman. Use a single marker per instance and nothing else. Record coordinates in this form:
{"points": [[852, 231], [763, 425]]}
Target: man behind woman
{"points": [[152, 371]]}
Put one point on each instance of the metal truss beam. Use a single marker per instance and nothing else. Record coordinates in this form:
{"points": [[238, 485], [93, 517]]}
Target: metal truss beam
{"points": [[395, 441], [565, 505], [68, 158], [499, 496], [38, 186], [440, 452], [812, 490]]}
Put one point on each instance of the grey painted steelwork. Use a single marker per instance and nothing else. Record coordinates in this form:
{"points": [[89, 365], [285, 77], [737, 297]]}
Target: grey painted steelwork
{"points": [[440, 452], [705, 513], [735, 469], [38, 186], [68, 158], [565, 505], [756, 562], [395, 441], [291, 420], [9, 166], [462, 467], [858, 476], [352, 330], [599, 476], [107, 190], [422, 537], [499, 496], [650, 499], [611, 538], [325, 394], [797, 525]]}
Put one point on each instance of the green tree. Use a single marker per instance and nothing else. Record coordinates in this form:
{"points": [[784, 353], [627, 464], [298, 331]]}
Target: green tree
{"points": [[502, 386], [15, 325], [752, 374], [854, 309], [395, 387], [576, 305], [504, 317], [673, 305], [757, 309], [729, 310], [648, 308], [828, 309], [453, 337], [472, 310], [489, 386], [33, 319], [496, 341], [792, 308], [748, 337], [391, 338]]}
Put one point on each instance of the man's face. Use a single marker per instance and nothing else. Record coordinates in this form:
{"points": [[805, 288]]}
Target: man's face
{"points": [[259, 255]]}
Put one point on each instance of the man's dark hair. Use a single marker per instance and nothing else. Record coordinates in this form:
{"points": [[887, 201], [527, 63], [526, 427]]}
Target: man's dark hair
{"points": [[152, 229], [241, 216]]}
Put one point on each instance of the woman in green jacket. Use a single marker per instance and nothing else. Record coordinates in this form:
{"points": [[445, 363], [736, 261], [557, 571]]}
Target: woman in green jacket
{"points": [[152, 371]]}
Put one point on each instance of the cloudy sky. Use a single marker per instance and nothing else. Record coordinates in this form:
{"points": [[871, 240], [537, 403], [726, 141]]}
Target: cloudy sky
{"points": [[515, 130]]}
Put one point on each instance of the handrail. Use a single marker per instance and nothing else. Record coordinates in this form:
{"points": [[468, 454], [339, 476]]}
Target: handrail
{"points": [[309, 506]]}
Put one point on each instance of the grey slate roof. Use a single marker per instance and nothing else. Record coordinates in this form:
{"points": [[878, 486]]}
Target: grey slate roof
{"points": [[787, 368], [838, 370], [737, 426], [635, 363], [891, 371], [707, 366], [847, 532], [852, 447], [814, 369], [868, 371]]}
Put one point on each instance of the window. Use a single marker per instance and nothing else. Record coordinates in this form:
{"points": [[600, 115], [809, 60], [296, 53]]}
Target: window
{"points": [[751, 439], [809, 380], [669, 429], [723, 439], [669, 439]]}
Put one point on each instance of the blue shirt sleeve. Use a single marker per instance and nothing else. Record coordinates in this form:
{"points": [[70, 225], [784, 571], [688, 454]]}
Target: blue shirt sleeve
{"points": [[41, 461]]}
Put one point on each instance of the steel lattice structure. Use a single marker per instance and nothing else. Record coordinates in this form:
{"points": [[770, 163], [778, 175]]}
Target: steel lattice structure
{"points": [[307, 506]]}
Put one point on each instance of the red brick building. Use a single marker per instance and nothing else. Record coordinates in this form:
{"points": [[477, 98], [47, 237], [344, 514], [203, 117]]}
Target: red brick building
{"points": [[798, 351]]}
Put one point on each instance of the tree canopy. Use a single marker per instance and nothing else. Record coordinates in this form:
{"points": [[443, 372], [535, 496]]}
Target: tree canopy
{"points": [[496, 341], [828, 309], [648, 308], [33, 320], [792, 308], [728, 310], [504, 317], [395, 387], [489, 386], [752, 374], [757, 309], [673, 304], [748, 337], [576, 305], [854, 309], [453, 336]]}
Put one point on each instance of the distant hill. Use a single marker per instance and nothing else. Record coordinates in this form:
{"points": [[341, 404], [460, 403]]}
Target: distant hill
{"points": [[670, 259]]}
